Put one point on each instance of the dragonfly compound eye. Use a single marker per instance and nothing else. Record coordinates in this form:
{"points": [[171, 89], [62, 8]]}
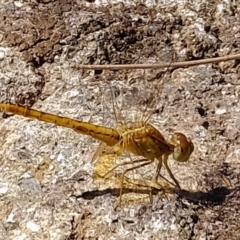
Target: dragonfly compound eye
{"points": [[183, 147]]}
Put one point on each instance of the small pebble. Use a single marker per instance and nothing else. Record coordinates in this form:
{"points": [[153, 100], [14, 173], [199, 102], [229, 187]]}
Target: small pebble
{"points": [[2, 55], [4, 189], [33, 226], [221, 111], [18, 4]]}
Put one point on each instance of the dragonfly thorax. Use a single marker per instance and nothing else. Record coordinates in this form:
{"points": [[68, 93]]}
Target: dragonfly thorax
{"points": [[145, 140]]}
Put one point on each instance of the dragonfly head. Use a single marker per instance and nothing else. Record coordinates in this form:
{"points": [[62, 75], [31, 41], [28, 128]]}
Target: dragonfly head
{"points": [[183, 147]]}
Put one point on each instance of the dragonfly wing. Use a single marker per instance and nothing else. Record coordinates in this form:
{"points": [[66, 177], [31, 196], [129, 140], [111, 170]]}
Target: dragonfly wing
{"points": [[100, 150], [105, 164]]}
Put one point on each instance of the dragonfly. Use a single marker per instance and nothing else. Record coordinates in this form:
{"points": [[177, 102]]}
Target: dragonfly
{"points": [[141, 138]]}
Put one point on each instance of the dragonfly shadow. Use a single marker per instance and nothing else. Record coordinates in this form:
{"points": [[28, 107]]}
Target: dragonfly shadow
{"points": [[215, 196], [89, 195]]}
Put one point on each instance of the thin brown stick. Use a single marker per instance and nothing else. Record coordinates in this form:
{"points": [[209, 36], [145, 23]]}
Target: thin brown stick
{"points": [[158, 65]]}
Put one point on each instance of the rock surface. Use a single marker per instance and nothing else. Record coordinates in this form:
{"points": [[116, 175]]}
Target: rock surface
{"points": [[46, 185]]}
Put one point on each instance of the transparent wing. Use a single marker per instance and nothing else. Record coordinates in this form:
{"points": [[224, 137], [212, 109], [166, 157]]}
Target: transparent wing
{"points": [[105, 163]]}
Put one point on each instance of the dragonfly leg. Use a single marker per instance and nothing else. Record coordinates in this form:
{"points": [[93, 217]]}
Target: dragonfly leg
{"points": [[124, 164], [159, 166], [145, 163], [170, 172], [158, 174]]}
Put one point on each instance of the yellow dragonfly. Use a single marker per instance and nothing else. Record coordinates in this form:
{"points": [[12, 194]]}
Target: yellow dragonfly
{"points": [[141, 139]]}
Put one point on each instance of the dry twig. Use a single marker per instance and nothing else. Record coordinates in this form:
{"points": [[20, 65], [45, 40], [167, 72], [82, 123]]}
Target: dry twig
{"points": [[158, 65]]}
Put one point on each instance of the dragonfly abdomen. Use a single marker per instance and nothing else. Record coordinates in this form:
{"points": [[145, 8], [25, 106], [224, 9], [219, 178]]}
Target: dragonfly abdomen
{"points": [[104, 134]]}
